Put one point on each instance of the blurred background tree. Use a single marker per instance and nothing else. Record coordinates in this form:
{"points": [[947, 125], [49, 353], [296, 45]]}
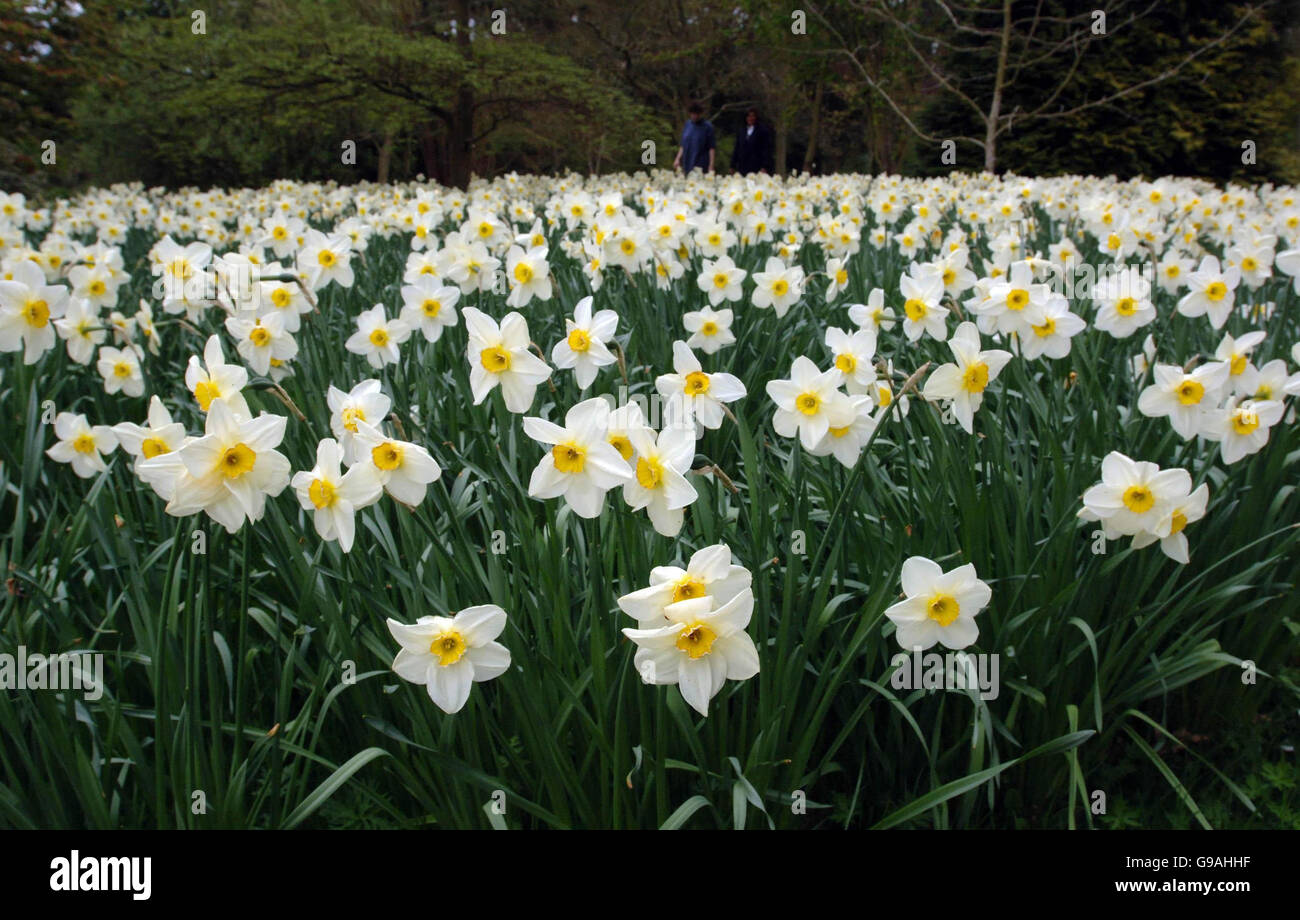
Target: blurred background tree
{"points": [[241, 92]]}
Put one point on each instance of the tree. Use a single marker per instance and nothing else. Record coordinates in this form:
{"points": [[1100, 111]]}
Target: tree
{"points": [[981, 56], [45, 50]]}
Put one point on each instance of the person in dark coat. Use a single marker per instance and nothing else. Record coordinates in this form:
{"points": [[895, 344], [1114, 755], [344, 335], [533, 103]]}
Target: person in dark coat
{"points": [[753, 151]]}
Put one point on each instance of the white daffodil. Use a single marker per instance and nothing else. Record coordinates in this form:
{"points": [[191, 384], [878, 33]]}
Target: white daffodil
{"points": [[1212, 292], [404, 469], [778, 287], [1133, 496], [81, 444], [853, 354], [873, 315], [429, 306], [1236, 354], [1014, 298], [710, 572], [804, 400], [326, 258], [448, 655], [335, 496], [659, 484], [160, 435], [699, 649], [721, 280], [1123, 301], [838, 273], [939, 606], [528, 274], [214, 379], [1242, 430], [366, 402], [851, 426], [710, 329], [581, 464], [1264, 383], [1049, 329], [1182, 511], [962, 384], [692, 395], [583, 347], [377, 337], [622, 423], [120, 368], [921, 295], [499, 355], [1184, 397], [285, 298], [260, 340], [28, 309], [82, 330], [232, 468]]}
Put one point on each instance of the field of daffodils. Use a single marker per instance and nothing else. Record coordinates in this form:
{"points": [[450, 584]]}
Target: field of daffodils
{"points": [[645, 501]]}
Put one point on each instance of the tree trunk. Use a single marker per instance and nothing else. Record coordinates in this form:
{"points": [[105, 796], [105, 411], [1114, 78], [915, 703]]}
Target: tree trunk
{"points": [[995, 107], [385, 158], [810, 155], [782, 132], [461, 134], [429, 154]]}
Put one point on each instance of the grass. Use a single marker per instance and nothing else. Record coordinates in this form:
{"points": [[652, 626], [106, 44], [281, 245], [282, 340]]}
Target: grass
{"points": [[227, 704]]}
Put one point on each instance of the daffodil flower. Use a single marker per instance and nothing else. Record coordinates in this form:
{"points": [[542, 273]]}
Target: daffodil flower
{"points": [[28, 310], [701, 647], [1133, 496], [777, 287], [721, 280], [1212, 292], [528, 274], [499, 356], [429, 306], [81, 444], [214, 379], [377, 337], [160, 435], [691, 395], [659, 484], [120, 368], [939, 606], [962, 384], [404, 469], [81, 328], [1184, 397], [803, 401], [580, 465], [710, 329], [232, 469], [921, 310], [583, 347], [365, 402], [448, 655], [334, 496], [1243, 429], [709, 573]]}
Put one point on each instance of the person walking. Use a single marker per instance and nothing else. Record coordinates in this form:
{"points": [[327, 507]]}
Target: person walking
{"points": [[753, 151], [698, 146]]}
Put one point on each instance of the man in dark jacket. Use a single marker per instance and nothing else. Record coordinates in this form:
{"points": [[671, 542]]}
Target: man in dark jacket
{"points": [[753, 151], [698, 146]]}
